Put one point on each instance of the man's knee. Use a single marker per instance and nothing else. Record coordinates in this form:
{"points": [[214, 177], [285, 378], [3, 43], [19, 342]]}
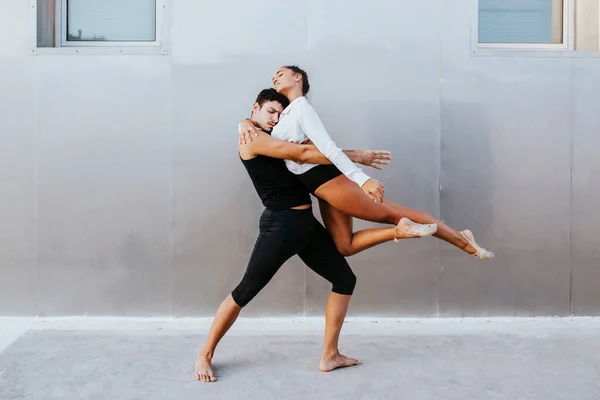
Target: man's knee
{"points": [[345, 284], [240, 298], [245, 292]]}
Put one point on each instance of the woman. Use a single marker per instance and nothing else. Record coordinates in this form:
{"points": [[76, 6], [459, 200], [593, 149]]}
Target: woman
{"points": [[341, 187]]}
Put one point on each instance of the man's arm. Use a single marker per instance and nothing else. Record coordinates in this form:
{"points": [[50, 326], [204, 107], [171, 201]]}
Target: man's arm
{"points": [[370, 158], [265, 145]]}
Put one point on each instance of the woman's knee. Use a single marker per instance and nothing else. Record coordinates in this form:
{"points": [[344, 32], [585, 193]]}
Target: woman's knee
{"points": [[346, 249]]}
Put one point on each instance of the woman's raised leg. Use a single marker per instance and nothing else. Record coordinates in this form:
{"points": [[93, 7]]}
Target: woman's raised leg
{"points": [[350, 243], [347, 197]]}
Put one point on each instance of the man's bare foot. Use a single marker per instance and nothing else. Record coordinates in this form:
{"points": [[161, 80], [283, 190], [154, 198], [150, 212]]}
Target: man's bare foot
{"points": [[204, 370], [329, 363], [410, 229]]}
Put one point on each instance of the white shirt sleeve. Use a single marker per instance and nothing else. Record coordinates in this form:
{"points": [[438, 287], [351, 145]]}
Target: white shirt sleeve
{"points": [[313, 128]]}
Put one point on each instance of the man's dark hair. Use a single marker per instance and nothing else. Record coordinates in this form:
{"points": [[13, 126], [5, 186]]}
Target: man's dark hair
{"points": [[272, 95], [297, 70]]}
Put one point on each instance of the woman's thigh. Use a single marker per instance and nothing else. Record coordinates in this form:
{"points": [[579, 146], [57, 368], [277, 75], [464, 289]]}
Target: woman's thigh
{"points": [[349, 198]]}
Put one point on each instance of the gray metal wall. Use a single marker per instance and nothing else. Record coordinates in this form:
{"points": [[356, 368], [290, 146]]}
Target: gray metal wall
{"points": [[122, 194]]}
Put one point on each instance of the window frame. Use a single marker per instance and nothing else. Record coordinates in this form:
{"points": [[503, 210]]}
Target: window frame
{"points": [[565, 49], [159, 46]]}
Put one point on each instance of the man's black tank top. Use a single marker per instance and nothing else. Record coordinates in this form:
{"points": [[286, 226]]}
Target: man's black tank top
{"points": [[278, 188]]}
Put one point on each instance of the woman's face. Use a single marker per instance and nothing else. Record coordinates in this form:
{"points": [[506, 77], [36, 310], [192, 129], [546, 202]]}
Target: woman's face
{"points": [[285, 79]]}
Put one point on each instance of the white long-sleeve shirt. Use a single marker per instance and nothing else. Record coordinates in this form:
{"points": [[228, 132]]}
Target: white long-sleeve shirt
{"points": [[298, 122]]}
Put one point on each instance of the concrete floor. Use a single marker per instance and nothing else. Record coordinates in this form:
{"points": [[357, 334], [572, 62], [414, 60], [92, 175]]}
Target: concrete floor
{"points": [[102, 358]]}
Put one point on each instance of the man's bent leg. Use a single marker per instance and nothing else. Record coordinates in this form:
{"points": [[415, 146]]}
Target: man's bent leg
{"points": [[322, 257], [281, 235], [337, 306], [226, 315]]}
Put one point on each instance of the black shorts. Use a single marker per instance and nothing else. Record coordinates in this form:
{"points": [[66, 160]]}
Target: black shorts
{"points": [[284, 234], [316, 176]]}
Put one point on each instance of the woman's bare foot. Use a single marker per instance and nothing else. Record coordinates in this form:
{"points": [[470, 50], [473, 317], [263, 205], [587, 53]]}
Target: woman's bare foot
{"points": [[474, 248], [329, 363], [410, 229], [204, 370]]}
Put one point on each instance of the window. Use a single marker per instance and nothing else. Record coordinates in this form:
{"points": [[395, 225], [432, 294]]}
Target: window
{"points": [[538, 24], [111, 20], [521, 21], [130, 26]]}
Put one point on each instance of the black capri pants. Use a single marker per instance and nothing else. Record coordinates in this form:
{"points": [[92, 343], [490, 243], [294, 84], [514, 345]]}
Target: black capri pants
{"points": [[283, 234]]}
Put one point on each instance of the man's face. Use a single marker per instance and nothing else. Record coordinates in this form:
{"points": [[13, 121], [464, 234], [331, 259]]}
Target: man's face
{"points": [[267, 116]]}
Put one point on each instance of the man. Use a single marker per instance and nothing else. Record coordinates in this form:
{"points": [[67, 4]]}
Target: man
{"points": [[287, 228]]}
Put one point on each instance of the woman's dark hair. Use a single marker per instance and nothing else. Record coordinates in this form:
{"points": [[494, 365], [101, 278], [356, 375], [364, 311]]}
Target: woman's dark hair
{"points": [[305, 84]]}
